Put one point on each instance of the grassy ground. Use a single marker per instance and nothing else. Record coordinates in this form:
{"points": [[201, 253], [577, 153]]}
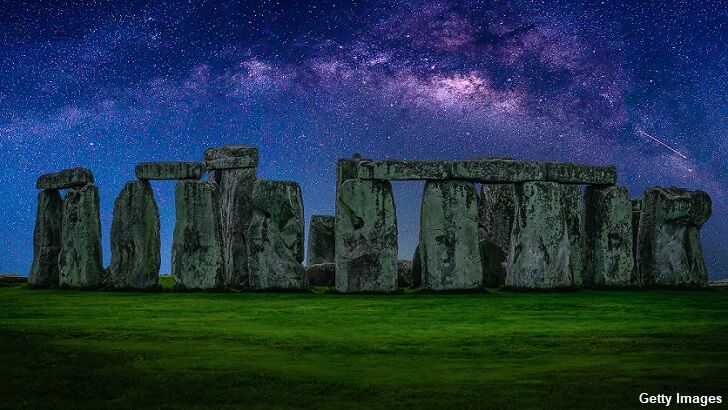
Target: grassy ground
{"points": [[502, 349]]}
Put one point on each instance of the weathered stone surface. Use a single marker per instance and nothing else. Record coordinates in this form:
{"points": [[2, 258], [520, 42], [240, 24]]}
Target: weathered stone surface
{"points": [[232, 156], [569, 173], [497, 170], [394, 169], [46, 240], [197, 261], [135, 242], [80, 261], [404, 273], [74, 177], [275, 237], [541, 253], [366, 237], [346, 169], [321, 240], [169, 170], [497, 209], [321, 274], [449, 247], [416, 269], [669, 252], [236, 211], [609, 236], [636, 211], [572, 205]]}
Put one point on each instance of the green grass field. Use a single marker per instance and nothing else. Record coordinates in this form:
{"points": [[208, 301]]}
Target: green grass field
{"points": [[502, 349]]}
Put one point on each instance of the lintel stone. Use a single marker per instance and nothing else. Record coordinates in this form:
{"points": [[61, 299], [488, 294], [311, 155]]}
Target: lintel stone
{"points": [[68, 178], [395, 169], [170, 170], [232, 156], [569, 173]]}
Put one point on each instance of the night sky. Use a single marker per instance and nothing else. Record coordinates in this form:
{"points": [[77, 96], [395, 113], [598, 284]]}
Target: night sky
{"points": [[642, 85]]}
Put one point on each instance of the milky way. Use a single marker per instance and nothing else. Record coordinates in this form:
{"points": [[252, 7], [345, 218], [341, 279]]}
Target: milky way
{"points": [[106, 86]]}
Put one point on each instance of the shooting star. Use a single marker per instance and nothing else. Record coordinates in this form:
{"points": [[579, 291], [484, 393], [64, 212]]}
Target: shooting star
{"points": [[643, 132]]}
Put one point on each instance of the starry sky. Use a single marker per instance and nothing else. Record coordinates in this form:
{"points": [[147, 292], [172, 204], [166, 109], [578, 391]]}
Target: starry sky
{"points": [[105, 85]]}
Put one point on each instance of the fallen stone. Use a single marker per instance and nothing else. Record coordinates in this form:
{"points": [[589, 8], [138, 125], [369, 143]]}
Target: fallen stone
{"points": [[46, 240], [80, 262], [449, 247], [540, 255], [232, 156], [69, 178], [366, 237], [275, 236], [392, 170], [497, 170], [497, 210], [321, 240], [236, 211], [609, 236], [568, 173], [669, 252], [197, 261], [416, 269], [135, 242], [321, 274], [169, 170], [404, 273]]}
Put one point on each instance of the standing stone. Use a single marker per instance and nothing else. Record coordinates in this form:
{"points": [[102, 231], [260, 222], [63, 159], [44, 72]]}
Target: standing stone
{"points": [[449, 246], [609, 236], [416, 269], [236, 211], [497, 210], [275, 243], [404, 273], [321, 240], [366, 237], [540, 254], [46, 240], [571, 203], [197, 261], [636, 211], [322, 274], [669, 252], [135, 243], [80, 261]]}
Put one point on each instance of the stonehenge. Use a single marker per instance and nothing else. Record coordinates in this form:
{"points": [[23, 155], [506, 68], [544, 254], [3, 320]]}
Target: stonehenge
{"points": [[484, 222], [668, 241], [449, 248], [69, 178], [275, 236], [496, 210], [135, 242], [46, 240], [609, 236], [80, 261], [169, 170], [541, 247], [321, 240], [366, 237], [197, 254], [234, 169]]}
